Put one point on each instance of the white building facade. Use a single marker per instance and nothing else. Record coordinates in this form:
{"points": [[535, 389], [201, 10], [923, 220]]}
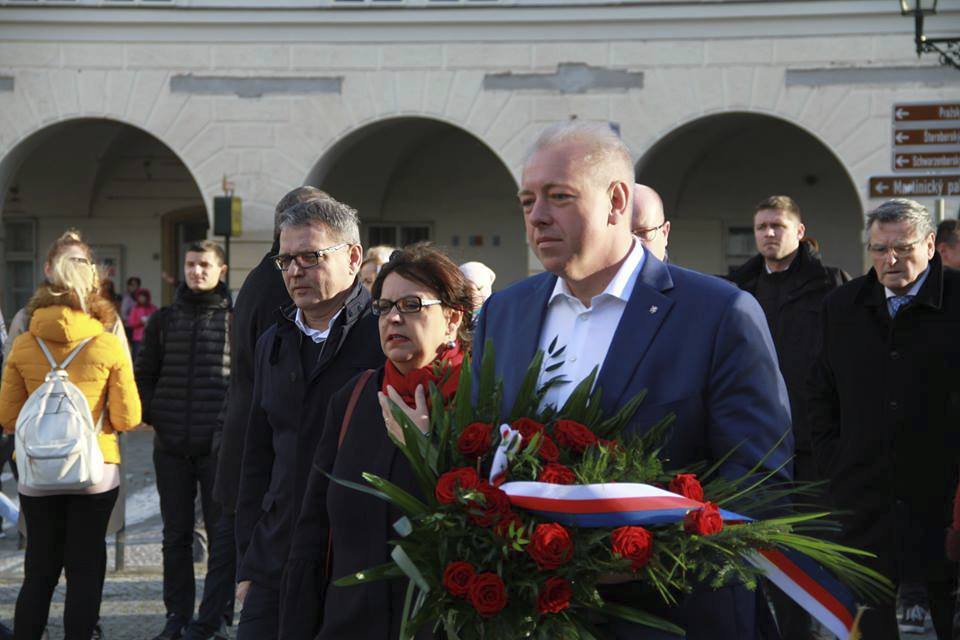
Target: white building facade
{"points": [[122, 118]]}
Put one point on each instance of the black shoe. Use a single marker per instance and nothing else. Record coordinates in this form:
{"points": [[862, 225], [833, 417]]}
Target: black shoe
{"points": [[97, 632], [174, 628]]}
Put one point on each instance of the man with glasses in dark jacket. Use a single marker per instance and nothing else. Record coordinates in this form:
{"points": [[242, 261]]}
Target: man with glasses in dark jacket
{"points": [[315, 347], [790, 283], [182, 370]]}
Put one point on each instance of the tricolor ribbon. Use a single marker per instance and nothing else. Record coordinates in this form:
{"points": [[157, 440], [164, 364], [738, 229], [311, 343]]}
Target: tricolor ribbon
{"points": [[622, 504]]}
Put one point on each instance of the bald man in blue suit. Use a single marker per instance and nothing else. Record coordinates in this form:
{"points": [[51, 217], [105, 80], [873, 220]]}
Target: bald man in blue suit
{"points": [[697, 344]]}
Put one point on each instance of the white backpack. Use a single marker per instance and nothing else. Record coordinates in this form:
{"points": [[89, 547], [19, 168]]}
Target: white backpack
{"points": [[56, 443]]}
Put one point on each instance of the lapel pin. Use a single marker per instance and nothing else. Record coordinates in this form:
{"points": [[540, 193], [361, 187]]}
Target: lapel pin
{"points": [[653, 309]]}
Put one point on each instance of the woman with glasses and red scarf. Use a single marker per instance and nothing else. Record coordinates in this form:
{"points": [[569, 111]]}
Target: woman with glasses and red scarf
{"points": [[423, 304]]}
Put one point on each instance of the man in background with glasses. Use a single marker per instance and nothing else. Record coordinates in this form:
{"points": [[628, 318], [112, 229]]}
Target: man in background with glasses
{"points": [[789, 281], [321, 341], [649, 221], [884, 410]]}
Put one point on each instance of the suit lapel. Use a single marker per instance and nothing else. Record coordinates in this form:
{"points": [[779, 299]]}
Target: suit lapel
{"points": [[525, 338], [646, 310]]}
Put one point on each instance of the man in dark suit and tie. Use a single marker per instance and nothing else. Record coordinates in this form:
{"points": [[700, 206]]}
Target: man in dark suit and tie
{"points": [[698, 345]]}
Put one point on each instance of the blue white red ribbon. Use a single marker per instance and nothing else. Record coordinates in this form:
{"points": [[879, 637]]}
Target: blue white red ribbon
{"points": [[622, 504]]}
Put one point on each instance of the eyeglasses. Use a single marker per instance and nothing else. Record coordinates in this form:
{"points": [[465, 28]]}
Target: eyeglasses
{"points": [[899, 250], [648, 233], [305, 259], [409, 304]]}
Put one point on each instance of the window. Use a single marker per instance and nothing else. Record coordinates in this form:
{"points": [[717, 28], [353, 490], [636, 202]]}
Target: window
{"points": [[740, 246], [20, 258], [397, 235]]}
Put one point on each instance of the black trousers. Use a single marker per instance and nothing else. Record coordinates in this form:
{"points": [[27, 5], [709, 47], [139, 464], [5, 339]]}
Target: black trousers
{"points": [[178, 480], [260, 618], [66, 532], [219, 585]]}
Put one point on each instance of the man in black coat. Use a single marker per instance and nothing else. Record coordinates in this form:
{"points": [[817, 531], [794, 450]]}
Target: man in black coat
{"points": [[318, 344], [884, 409], [789, 281], [182, 371]]}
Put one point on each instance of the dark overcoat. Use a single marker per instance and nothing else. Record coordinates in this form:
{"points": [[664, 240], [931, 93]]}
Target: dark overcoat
{"points": [[797, 330], [360, 526], [260, 298], [884, 410], [286, 422]]}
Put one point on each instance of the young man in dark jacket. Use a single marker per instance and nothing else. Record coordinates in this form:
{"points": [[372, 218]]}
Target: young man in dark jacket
{"points": [[790, 283], [316, 346], [183, 370]]}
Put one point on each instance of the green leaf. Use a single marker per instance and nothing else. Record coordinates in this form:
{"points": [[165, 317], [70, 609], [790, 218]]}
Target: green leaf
{"points": [[527, 400], [408, 567], [414, 448], [396, 495], [387, 571], [575, 406], [639, 617]]}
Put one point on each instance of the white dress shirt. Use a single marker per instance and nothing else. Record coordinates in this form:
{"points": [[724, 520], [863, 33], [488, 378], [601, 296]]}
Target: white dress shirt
{"points": [[314, 334], [586, 332]]}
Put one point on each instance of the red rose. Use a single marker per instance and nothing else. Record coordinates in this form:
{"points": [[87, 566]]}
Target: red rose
{"points": [[457, 577], [573, 435], [550, 546], [634, 544], [527, 428], [687, 485], [554, 595], [495, 504], [465, 478], [474, 441], [548, 452], [555, 473], [611, 445], [705, 521], [487, 594], [502, 528]]}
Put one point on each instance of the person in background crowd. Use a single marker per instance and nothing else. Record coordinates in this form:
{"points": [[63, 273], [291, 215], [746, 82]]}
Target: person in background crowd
{"points": [[109, 292], [604, 295], [69, 244], [789, 281], [319, 343], [883, 411], [480, 279], [423, 303], [182, 370], [649, 223], [260, 299], [948, 243], [138, 317], [128, 300], [376, 257], [67, 527]]}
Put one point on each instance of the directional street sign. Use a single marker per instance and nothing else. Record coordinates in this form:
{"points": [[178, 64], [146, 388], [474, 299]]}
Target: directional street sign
{"points": [[926, 137], [920, 137], [916, 112], [927, 160], [914, 186]]}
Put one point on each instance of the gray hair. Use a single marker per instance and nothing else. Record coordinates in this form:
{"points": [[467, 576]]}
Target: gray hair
{"points": [[305, 193], [342, 220], [602, 143], [903, 210]]}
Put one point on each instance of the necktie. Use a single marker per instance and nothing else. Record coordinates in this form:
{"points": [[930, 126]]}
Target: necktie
{"points": [[898, 301]]}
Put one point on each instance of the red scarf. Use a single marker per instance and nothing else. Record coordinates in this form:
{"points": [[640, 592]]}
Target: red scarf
{"points": [[444, 372]]}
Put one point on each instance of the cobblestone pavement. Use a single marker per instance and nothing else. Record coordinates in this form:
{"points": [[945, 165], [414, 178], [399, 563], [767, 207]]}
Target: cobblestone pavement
{"points": [[133, 598]]}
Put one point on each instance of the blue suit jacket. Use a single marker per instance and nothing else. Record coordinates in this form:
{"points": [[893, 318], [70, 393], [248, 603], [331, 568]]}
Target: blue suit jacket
{"points": [[702, 349]]}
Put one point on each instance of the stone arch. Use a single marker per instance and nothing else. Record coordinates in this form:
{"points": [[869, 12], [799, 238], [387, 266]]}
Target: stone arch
{"points": [[414, 177], [712, 169], [112, 180]]}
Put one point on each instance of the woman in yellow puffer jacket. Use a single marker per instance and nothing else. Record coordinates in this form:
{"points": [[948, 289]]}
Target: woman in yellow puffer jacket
{"points": [[66, 528]]}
